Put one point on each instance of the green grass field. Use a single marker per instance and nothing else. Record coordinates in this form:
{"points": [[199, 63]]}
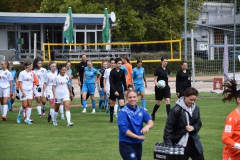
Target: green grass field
{"points": [[94, 138]]}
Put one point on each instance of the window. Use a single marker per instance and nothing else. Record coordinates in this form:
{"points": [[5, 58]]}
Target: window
{"points": [[93, 27], [80, 27]]}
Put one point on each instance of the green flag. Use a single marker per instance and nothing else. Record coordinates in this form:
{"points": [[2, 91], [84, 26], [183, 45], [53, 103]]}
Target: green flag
{"points": [[68, 27], [106, 27]]}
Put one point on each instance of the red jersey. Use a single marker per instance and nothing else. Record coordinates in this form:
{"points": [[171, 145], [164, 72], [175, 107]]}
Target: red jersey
{"points": [[231, 135]]}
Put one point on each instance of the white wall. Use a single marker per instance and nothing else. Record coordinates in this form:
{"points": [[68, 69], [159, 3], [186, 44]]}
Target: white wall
{"points": [[4, 39]]}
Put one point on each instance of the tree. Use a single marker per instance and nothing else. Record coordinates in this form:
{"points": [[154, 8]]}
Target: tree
{"points": [[20, 5], [137, 20]]}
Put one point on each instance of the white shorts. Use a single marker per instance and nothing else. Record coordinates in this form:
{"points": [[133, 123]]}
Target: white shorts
{"points": [[49, 92], [38, 94], [62, 100], [5, 92], [29, 94]]}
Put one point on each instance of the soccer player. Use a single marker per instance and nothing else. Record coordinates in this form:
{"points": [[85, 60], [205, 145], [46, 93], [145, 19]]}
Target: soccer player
{"points": [[14, 83], [161, 73], [5, 88], [102, 93], [89, 82], [62, 92], [230, 135], [117, 86], [47, 88], [131, 130], [26, 81], [138, 76], [80, 72], [183, 79], [41, 75], [128, 66], [107, 84]]}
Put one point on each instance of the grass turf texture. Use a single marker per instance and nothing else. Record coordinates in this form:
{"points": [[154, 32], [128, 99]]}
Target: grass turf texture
{"points": [[93, 137]]}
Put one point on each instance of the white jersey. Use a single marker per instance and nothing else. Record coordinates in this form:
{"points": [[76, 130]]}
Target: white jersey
{"points": [[5, 78], [27, 79], [41, 75], [49, 79], [61, 83], [107, 75]]}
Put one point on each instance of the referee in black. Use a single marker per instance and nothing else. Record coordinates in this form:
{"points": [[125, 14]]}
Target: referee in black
{"points": [[80, 73], [118, 86], [183, 79], [161, 73]]}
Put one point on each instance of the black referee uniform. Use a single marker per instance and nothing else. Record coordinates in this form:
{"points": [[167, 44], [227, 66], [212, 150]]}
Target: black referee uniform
{"points": [[162, 74], [80, 71], [117, 82], [183, 81]]}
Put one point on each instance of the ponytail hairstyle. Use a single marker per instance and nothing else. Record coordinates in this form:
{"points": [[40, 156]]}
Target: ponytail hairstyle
{"points": [[49, 64], [126, 58], [7, 63], [35, 62], [10, 64], [230, 91]]}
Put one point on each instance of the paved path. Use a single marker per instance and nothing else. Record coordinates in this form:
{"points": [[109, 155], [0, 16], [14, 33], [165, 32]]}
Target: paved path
{"points": [[203, 84]]}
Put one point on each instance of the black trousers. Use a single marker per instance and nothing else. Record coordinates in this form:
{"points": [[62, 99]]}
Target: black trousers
{"points": [[191, 151], [130, 151]]}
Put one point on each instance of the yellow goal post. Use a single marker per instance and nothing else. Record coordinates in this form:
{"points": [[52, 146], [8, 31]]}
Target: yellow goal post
{"points": [[46, 48]]}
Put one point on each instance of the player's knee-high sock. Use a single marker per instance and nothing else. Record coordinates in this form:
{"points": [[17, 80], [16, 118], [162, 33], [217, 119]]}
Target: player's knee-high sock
{"points": [[154, 111], [39, 110], [29, 111], [168, 107], [100, 104], [111, 114], [93, 104], [5, 109], [61, 110], [115, 108], [43, 107], [9, 105], [54, 118], [51, 112], [21, 110], [84, 103], [68, 115], [143, 103]]}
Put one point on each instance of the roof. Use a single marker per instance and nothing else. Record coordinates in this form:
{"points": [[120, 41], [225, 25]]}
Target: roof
{"points": [[225, 21], [57, 18]]}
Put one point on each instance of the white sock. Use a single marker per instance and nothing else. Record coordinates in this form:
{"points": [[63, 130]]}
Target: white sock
{"points": [[24, 113], [115, 108], [1, 107], [51, 112], [39, 110], [68, 115], [55, 114], [5, 109], [20, 111], [61, 110], [29, 111]]}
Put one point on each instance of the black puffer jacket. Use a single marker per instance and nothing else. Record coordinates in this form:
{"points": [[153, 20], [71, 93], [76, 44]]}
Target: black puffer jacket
{"points": [[176, 123]]}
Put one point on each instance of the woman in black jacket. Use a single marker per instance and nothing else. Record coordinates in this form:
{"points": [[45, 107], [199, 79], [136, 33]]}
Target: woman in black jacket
{"points": [[183, 125], [183, 79]]}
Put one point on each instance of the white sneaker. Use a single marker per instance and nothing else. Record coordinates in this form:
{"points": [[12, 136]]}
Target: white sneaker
{"points": [[93, 111], [55, 123], [84, 111], [70, 124]]}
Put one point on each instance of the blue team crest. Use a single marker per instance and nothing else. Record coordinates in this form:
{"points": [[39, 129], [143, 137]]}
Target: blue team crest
{"points": [[132, 155], [67, 78], [42, 71]]}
